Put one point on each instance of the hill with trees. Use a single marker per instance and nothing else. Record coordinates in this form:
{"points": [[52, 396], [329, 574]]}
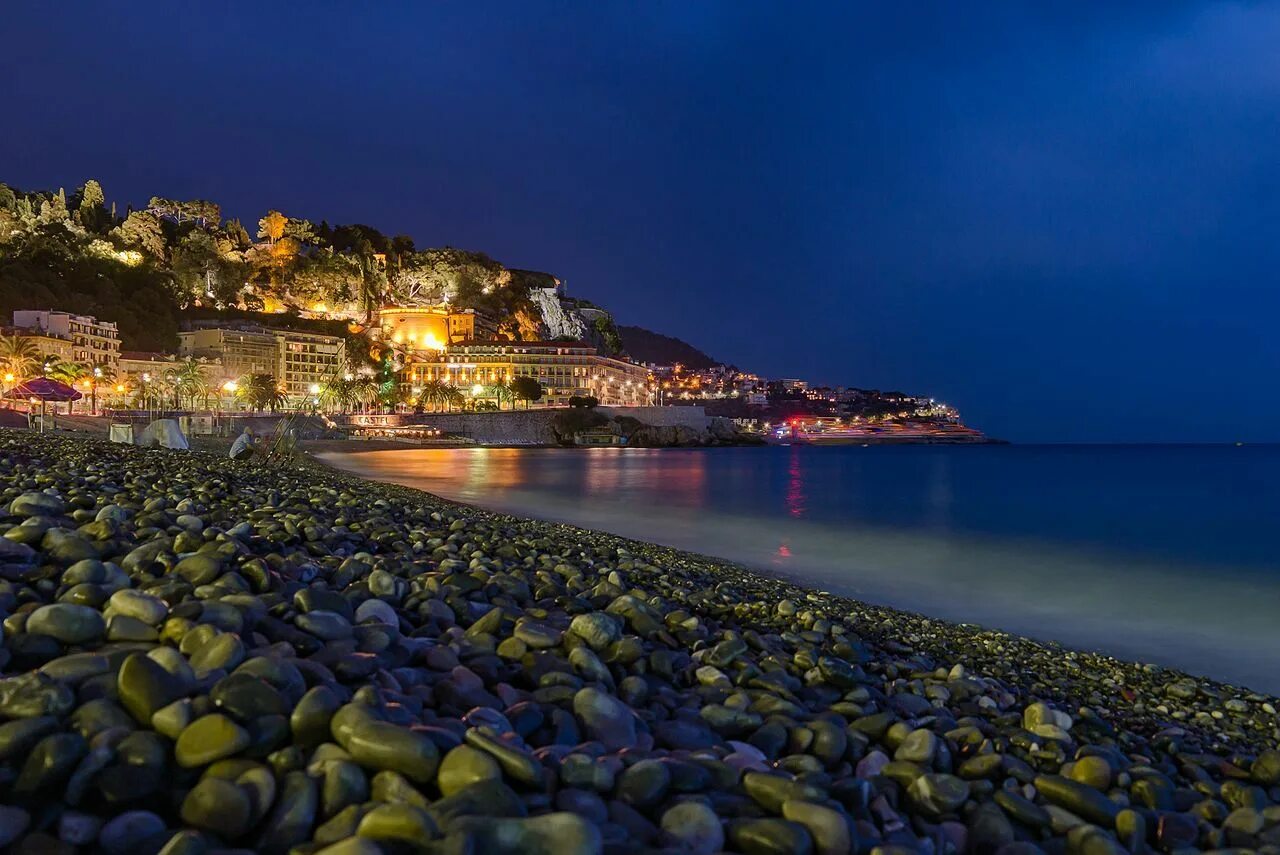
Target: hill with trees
{"points": [[148, 268], [647, 346]]}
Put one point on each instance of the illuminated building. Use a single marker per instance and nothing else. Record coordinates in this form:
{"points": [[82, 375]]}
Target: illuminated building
{"points": [[47, 346], [241, 351], [428, 327], [297, 359], [93, 342], [565, 369]]}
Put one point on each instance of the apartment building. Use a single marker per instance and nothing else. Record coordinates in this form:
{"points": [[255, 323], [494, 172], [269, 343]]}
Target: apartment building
{"points": [[297, 359], [91, 341]]}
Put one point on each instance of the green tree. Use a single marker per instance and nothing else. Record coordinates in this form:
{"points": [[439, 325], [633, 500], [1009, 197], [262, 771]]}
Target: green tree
{"points": [[201, 270], [142, 231], [68, 372], [91, 196], [272, 226], [526, 389], [19, 356], [92, 212], [260, 392], [54, 209], [189, 382]]}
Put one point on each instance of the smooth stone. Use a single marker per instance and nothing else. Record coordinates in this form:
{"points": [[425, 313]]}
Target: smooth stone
{"points": [[344, 784], [597, 629], [919, 746], [938, 794], [607, 719], [50, 763], [124, 834], [515, 763], [538, 635], [325, 625], [17, 738], [644, 784], [693, 827], [376, 611], [769, 837], [224, 652], [209, 738], [560, 833], [35, 694], [200, 568], [394, 787], [37, 504], [464, 766], [217, 806], [397, 822], [293, 816], [828, 827], [145, 687], [171, 720], [13, 822], [121, 628], [381, 745], [1085, 802], [78, 828], [70, 624], [1092, 771], [310, 718], [138, 605]]}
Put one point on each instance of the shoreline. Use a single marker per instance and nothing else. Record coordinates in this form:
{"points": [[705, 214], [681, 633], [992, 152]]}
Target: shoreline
{"points": [[797, 586], [720, 706]]}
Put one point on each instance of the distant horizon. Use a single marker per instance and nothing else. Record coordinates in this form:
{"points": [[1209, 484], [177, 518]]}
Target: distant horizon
{"points": [[1063, 224]]}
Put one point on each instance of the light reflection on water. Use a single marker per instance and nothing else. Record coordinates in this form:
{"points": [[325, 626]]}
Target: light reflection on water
{"points": [[1163, 555]]}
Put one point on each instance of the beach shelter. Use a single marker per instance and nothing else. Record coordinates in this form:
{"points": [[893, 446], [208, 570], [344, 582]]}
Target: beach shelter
{"points": [[42, 389]]}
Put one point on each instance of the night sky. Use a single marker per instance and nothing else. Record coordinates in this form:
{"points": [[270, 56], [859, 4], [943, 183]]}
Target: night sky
{"points": [[1060, 217]]}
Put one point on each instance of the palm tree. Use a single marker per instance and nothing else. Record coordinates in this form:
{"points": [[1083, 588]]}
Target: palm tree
{"points": [[70, 373], [189, 381], [335, 392], [260, 392], [500, 392], [19, 356], [433, 393], [449, 396]]}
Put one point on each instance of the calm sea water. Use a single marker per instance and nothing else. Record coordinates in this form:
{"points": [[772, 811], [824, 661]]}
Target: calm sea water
{"points": [[1166, 554]]}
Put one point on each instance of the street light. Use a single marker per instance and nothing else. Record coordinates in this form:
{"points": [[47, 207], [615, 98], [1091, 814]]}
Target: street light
{"points": [[93, 387]]}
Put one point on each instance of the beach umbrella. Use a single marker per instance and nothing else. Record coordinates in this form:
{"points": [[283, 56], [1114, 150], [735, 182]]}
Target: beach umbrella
{"points": [[43, 389]]}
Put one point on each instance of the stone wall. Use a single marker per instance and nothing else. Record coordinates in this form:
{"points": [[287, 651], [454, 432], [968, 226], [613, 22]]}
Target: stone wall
{"points": [[533, 427], [690, 417], [518, 427]]}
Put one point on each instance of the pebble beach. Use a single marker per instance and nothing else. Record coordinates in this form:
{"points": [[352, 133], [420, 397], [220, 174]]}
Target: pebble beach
{"points": [[203, 656]]}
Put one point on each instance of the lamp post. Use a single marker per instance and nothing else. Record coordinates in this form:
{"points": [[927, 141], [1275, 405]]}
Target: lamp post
{"points": [[93, 391]]}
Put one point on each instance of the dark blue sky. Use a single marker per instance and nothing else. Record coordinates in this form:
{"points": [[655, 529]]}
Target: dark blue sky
{"points": [[1061, 219]]}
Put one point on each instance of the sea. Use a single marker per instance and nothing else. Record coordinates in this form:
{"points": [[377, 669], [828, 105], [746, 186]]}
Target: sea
{"points": [[1162, 554]]}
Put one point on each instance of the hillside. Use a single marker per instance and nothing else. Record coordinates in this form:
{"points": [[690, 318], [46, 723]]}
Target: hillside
{"points": [[148, 267], [647, 346]]}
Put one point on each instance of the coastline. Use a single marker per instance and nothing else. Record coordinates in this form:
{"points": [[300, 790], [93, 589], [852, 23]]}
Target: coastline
{"points": [[794, 587], [813, 718]]}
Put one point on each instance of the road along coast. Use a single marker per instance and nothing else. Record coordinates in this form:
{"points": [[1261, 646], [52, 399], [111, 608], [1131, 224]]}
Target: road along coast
{"points": [[201, 655]]}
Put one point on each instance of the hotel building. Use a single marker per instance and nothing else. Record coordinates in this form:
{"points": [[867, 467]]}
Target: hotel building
{"points": [[565, 369]]}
